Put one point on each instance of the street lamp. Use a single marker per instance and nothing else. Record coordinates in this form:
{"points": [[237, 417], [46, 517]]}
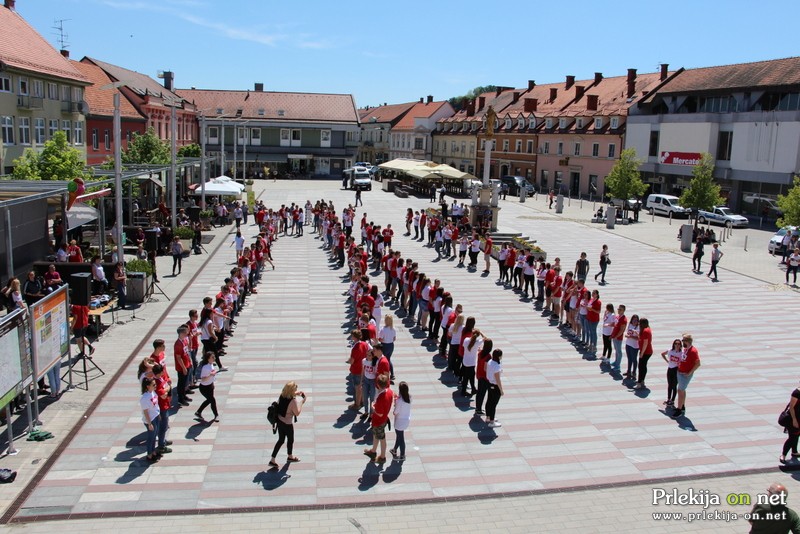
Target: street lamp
{"points": [[117, 127]]}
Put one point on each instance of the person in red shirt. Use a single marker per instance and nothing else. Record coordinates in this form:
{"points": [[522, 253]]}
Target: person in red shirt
{"points": [[423, 221], [690, 362], [487, 253], [194, 345], [357, 355], [80, 320], [383, 367], [480, 373], [381, 409], [74, 254], [645, 350], [164, 393], [548, 283], [592, 320], [617, 335], [555, 293], [387, 236], [183, 364]]}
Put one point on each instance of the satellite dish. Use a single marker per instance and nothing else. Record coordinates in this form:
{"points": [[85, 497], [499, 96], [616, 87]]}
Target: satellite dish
{"points": [[83, 107]]}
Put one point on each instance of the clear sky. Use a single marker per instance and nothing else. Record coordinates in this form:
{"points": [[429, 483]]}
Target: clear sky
{"points": [[400, 51]]}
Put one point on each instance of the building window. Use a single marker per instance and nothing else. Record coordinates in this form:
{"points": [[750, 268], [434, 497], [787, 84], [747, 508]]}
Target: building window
{"points": [[518, 145], [325, 138], [24, 131], [52, 91], [598, 123], [592, 184], [7, 125], [612, 150], [545, 175], [418, 143], [578, 123], [213, 135], [66, 127], [463, 148], [724, 146], [472, 148], [560, 148], [128, 137], [296, 138], [532, 122], [77, 94], [453, 147], [436, 147], [530, 147], [95, 140], [107, 139], [286, 137], [505, 145], [548, 123], [546, 147], [65, 93], [219, 111], [38, 88], [261, 112], [242, 136], [562, 123], [595, 150], [38, 132], [5, 84], [483, 144], [255, 136], [78, 132], [614, 123], [653, 150], [23, 85], [576, 149], [52, 127]]}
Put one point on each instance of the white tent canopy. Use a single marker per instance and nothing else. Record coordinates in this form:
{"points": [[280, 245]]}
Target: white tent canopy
{"points": [[221, 185], [422, 169], [80, 214]]}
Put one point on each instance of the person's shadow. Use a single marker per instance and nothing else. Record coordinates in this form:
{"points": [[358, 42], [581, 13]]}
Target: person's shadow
{"points": [[684, 423], [485, 434], [393, 472], [274, 478], [370, 477], [346, 418], [137, 466], [194, 431]]}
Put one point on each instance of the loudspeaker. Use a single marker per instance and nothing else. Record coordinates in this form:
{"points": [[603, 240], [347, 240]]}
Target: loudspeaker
{"points": [[150, 240], [81, 284]]}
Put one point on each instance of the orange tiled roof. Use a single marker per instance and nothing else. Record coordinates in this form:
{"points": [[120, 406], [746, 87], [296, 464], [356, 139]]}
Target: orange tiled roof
{"points": [[420, 110], [101, 101], [390, 113], [139, 83], [22, 47], [770, 73], [312, 107]]}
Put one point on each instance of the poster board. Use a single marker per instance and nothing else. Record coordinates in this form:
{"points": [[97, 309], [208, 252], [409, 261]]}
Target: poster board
{"points": [[15, 361], [50, 336]]}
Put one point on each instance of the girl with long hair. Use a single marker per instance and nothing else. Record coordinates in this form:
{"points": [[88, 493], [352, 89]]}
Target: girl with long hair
{"points": [[402, 419], [288, 409]]}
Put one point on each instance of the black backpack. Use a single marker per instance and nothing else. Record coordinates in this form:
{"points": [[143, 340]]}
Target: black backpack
{"points": [[272, 416]]}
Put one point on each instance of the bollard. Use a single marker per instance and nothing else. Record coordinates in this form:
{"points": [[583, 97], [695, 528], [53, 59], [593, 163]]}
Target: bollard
{"points": [[745, 243], [581, 206], [593, 206], [761, 222], [670, 218], [569, 201]]}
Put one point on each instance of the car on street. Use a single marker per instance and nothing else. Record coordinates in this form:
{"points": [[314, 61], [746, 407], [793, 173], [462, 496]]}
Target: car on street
{"points": [[358, 178], [515, 183], [630, 204], [364, 164], [775, 242], [664, 205], [762, 206], [722, 215]]}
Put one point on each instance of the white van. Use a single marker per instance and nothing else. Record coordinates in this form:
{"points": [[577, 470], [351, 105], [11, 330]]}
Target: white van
{"points": [[664, 205], [358, 178]]}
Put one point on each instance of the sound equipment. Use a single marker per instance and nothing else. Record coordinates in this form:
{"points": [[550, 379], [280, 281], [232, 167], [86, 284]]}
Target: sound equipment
{"points": [[81, 285]]}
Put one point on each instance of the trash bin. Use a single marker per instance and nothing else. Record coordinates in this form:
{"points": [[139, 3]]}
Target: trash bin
{"points": [[194, 213], [560, 203], [611, 217], [136, 287], [686, 237]]}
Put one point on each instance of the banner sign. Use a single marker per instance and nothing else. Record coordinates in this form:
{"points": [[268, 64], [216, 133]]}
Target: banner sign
{"points": [[680, 158]]}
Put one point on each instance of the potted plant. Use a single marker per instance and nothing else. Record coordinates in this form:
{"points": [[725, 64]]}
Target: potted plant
{"points": [[186, 235], [205, 218], [139, 277]]}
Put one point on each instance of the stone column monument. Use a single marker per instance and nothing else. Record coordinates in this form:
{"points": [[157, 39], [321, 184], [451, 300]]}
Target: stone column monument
{"points": [[485, 199]]}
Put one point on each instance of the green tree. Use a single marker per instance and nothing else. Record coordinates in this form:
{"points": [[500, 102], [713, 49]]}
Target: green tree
{"points": [[790, 205], [190, 151], [624, 181], [703, 193], [460, 102], [148, 149], [56, 161]]}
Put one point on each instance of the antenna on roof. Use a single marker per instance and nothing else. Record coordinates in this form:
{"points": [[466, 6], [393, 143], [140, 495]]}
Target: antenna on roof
{"points": [[61, 35]]}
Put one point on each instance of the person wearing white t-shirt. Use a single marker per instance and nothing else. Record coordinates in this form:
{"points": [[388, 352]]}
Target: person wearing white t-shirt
{"points": [[493, 372], [792, 264], [673, 358], [151, 414], [454, 332], [472, 346], [402, 419], [609, 321], [208, 375], [387, 337]]}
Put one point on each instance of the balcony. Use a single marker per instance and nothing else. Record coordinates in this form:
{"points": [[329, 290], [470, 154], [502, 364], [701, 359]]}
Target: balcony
{"points": [[70, 107], [30, 102]]}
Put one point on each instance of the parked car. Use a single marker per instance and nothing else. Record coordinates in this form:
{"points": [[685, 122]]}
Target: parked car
{"points": [[761, 206], [515, 183], [723, 216], [358, 178], [775, 242], [630, 204], [364, 164], [664, 205]]}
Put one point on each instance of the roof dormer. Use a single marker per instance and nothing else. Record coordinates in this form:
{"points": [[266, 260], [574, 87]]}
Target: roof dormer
{"points": [[520, 122], [508, 123]]}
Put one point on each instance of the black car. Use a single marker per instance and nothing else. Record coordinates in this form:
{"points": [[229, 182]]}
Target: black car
{"points": [[514, 184]]}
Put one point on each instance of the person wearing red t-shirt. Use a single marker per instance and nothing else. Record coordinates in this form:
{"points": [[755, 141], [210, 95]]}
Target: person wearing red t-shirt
{"points": [[549, 276], [487, 253], [381, 409], [357, 355], [617, 335], [80, 320], [592, 320], [164, 393], [340, 249], [480, 373], [423, 221], [74, 254], [387, 236], [690, 362], [194, 345], [383, 367], [645, 350], [183, 364], [555, 293]]}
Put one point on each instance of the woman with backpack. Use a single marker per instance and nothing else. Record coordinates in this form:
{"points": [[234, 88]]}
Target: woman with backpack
{"points": [[288, 409], [793, 428]]}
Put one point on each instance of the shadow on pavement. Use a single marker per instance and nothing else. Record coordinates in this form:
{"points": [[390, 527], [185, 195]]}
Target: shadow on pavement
{"points": [[274, 478]]}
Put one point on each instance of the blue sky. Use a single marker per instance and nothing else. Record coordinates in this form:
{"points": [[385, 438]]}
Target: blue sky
{"points": [[400, 51]]}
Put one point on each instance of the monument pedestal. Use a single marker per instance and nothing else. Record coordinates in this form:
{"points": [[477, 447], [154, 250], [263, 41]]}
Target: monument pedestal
{"points": [[482, 208]]}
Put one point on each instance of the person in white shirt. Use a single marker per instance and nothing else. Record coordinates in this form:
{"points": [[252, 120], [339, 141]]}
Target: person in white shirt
{"points": [[493, 372], [472, 346], [208, 375], [238, 240], [99, 275], [609, 321], [792, 264], [151, 414], [387, 337], [402, 419]]}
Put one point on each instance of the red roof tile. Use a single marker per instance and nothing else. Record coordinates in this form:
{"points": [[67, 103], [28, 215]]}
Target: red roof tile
{"points": [[312, 107], [391, 113], [22, 47], [420, 110], [139, 83], [771, 73], [101, 101]]}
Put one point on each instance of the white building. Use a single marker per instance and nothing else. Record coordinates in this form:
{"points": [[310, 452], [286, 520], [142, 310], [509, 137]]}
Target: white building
{"points": [[411, 137]]}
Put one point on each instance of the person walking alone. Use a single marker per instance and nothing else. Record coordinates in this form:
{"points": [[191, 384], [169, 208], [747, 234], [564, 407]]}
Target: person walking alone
{"points": [[716, 255], [288, 410], [605, 259]]}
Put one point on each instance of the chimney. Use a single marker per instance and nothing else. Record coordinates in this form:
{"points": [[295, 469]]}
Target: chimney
{"points": [[515, 97], [553, 94], [631, 82], [481, 102], [430, 99], [10, 4], [531, 85], [421, 100], [591, 102], [64, 52], [259, 87], [530, 105], [168, 77], [664, 71], [470, 108], [598, 77], [579, 89], [570, 82]]}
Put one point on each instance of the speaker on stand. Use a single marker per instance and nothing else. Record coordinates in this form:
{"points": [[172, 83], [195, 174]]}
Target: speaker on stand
{"points": [[81, 285]]}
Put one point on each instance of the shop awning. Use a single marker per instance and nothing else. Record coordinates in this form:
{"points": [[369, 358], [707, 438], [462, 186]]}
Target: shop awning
{"points": [[81, 214]]}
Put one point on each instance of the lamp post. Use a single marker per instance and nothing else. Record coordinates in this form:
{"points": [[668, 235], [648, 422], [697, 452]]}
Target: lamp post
{"points": [[202, 161], [118, 175], [173, 169]]}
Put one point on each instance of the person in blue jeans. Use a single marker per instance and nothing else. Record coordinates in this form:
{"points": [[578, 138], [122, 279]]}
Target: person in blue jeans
{"points": [[632, 346], [617, 335], [148, 403]]}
